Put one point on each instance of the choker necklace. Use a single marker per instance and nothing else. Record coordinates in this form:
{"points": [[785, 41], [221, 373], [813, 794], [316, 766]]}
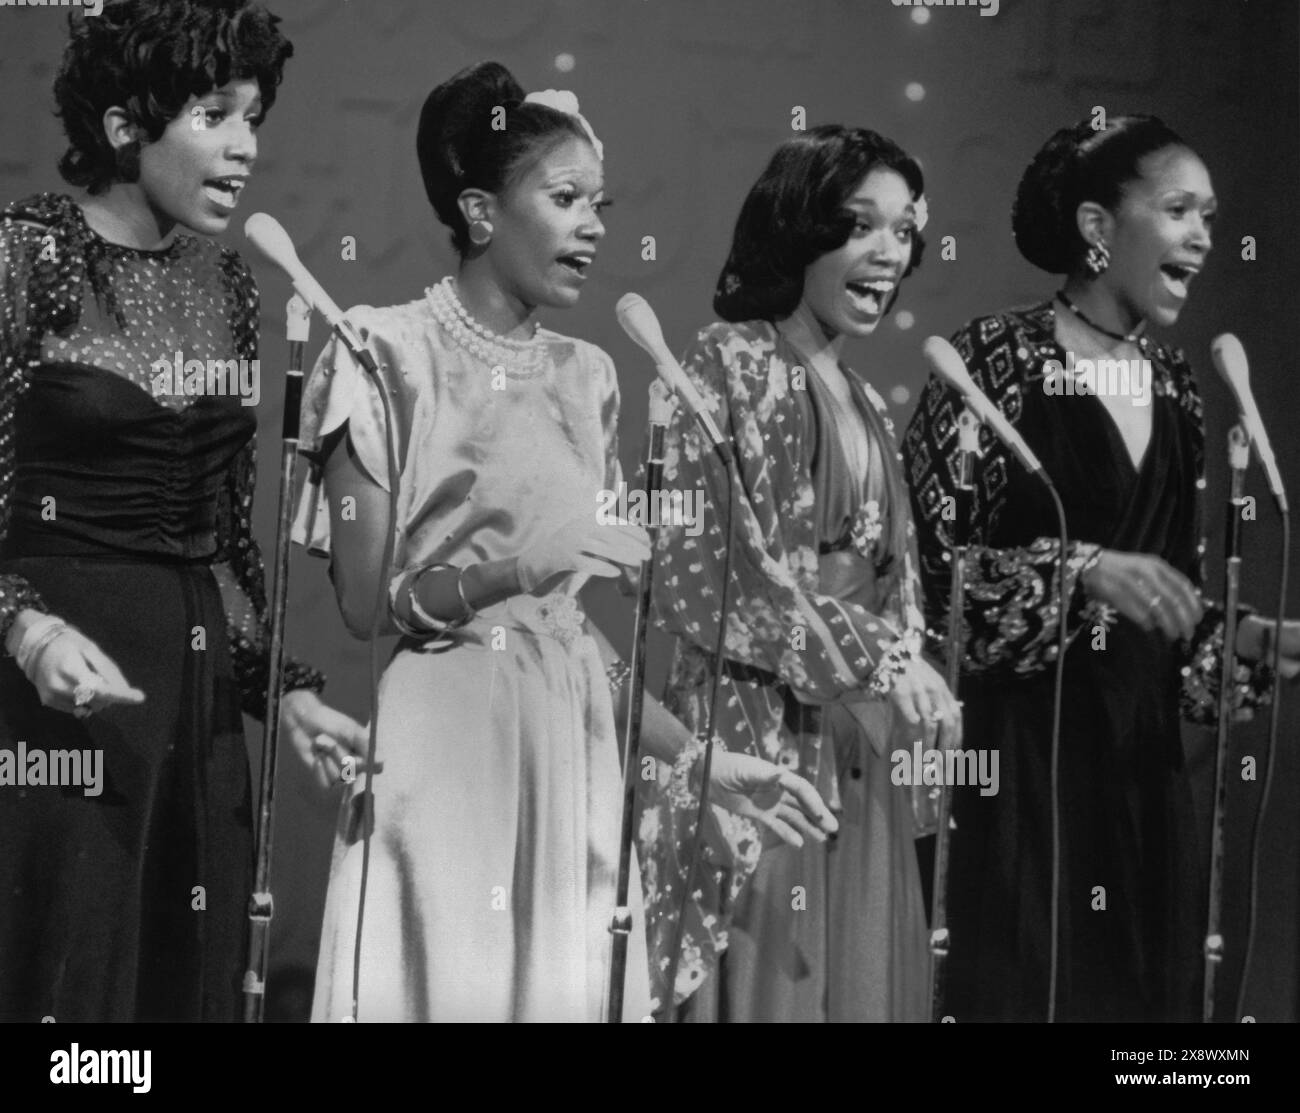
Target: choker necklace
{"points": [[519, 359], [1137, 338]]}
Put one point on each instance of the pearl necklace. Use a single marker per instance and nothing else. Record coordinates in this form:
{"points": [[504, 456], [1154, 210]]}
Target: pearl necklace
{"points": [[519, 359]]}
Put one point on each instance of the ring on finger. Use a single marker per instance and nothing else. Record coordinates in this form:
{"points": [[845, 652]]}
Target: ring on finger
{"points": [[82, 694], [1155, 602]]}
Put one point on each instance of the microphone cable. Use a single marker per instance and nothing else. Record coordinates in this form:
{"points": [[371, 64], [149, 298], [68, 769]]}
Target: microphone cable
{"points": [[1062, 643], [367, 817], [1270, 755]]}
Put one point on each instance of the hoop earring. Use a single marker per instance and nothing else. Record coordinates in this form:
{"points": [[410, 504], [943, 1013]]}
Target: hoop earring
{"points": [[480, 232], [1097, 259]]}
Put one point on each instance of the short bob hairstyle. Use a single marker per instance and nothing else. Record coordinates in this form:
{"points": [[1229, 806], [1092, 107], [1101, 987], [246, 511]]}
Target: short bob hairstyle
{"points": [[796, 213], [149, 57]]}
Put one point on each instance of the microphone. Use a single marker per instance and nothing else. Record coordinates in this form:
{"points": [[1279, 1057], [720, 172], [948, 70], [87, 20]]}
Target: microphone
{"points": [[269, 237], [641, 324], [1230, 362], [950, 367]]}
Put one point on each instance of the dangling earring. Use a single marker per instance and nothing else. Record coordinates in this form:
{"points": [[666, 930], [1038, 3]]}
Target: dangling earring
{"points": [[480, 232], [1097, 259]]}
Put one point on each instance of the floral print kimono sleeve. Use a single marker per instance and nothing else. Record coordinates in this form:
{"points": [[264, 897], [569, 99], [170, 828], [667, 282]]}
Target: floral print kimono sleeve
{"points": [[777, 620]]}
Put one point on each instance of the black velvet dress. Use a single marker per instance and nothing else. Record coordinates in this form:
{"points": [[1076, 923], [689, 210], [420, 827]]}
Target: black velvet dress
{"points": [[126, 513], [1131, 880]]}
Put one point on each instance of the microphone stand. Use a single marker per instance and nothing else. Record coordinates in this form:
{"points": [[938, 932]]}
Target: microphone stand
{"points": [[968, 434], [1238, 460], [661, 412], [261, 906]]}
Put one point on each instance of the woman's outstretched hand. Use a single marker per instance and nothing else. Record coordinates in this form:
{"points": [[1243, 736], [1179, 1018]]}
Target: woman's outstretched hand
{"points": [[781, 802], [332, 744], [72, 667], [583, 544]]}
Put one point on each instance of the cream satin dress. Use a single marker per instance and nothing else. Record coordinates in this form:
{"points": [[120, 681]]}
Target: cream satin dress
{"points": [[497, 813]]}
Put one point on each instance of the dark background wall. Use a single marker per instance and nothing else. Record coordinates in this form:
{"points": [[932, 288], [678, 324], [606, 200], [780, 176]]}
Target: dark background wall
{"points": [[690, 97]]}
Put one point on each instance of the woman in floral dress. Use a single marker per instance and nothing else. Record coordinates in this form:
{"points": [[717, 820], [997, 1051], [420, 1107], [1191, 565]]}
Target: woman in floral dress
{"points": [[821, 672]]}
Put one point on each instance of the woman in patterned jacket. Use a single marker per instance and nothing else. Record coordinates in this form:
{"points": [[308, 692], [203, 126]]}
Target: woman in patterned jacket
{"points": [[1125, 215], [821, 670]]}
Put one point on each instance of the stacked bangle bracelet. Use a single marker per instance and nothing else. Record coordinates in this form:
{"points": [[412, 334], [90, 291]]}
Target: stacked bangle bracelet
{"points": [[428, 625]]}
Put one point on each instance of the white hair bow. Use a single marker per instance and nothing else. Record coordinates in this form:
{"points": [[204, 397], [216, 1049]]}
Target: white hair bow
{"points": [[562, 100]]}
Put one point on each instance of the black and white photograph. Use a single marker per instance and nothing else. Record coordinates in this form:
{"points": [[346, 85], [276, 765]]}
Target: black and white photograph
{"points": [[649, 511]]}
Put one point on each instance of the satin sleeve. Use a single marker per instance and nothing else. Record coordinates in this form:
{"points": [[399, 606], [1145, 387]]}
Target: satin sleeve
{"points": [[341, 399]]}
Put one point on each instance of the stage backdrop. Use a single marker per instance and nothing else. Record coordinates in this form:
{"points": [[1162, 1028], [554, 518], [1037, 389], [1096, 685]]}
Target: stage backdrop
{"points": [[690, 97]]}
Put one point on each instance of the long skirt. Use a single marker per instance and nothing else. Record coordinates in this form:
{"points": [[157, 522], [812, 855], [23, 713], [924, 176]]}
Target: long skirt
{"points": [[836, 931], [128, 900], [495, 824]]}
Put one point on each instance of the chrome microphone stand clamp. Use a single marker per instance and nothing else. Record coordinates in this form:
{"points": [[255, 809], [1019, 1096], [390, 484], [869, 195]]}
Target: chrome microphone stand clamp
{"points": [[1238, 460], [261, 907], [968, 428], [661, 412]]}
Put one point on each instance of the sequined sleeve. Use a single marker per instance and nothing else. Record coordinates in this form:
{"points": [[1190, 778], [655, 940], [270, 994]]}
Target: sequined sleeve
{"points": [[777, 620], [1203, 664], [20, 245], [238, 564], [1011, 619]]}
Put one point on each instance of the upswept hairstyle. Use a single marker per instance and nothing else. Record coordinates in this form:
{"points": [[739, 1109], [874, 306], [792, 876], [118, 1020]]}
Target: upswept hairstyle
{"points": [[149, 57], [1079, 164], [795, 213], [459, 148]]}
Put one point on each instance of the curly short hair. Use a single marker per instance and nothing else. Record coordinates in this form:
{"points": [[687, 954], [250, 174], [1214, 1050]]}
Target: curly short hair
{"points": [[460, 149], [149, 57], [795, 213], [1078, 164]]}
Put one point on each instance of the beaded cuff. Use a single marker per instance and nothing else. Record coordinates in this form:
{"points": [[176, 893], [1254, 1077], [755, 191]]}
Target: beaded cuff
{"points": [[681, 792], [250, 665], [16, 595], [892, 662], [1199, 698]]}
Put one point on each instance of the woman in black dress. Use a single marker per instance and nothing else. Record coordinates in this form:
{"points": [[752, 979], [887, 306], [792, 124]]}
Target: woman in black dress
{"points": [[1125, 215], [125, 540]]}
